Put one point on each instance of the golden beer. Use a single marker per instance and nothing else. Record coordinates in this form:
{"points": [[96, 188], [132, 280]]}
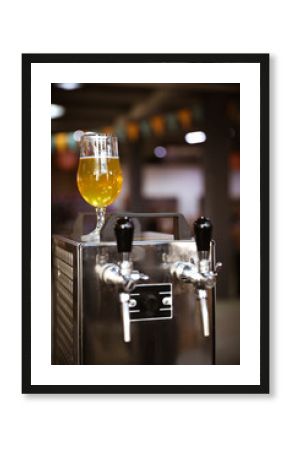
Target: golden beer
{"points": [[99, 180]]}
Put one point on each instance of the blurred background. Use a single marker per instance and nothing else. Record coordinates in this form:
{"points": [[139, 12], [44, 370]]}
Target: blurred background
{"points": [[179, 146]]}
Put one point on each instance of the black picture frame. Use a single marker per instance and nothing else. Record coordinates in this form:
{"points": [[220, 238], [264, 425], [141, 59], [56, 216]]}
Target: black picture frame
{"points": [[263, 61]]}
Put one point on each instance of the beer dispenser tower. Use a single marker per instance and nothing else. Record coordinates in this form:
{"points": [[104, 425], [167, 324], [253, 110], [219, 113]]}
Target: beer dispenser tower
{"points": [[150, 300]]}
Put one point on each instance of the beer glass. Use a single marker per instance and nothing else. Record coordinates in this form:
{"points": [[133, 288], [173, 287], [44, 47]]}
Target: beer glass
{"points": [[99, 176]]}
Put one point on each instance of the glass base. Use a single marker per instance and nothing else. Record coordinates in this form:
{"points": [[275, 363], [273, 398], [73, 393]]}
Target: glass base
{"points": [[93, 236]]}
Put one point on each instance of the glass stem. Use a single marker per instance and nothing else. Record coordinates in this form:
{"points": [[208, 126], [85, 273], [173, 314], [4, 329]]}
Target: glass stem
{"points": [[101, 213]]}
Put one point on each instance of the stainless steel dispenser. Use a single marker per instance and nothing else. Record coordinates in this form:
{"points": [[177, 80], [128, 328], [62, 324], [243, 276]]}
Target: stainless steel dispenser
{"points": [[147, 300]]}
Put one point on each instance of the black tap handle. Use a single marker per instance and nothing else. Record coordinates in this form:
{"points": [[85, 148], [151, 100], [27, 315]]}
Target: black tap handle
{"points": [[124, 230], [203, 233]]}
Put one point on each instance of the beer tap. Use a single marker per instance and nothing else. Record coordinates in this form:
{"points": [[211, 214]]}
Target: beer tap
{"points": [[122, 274], [198, 272]]}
